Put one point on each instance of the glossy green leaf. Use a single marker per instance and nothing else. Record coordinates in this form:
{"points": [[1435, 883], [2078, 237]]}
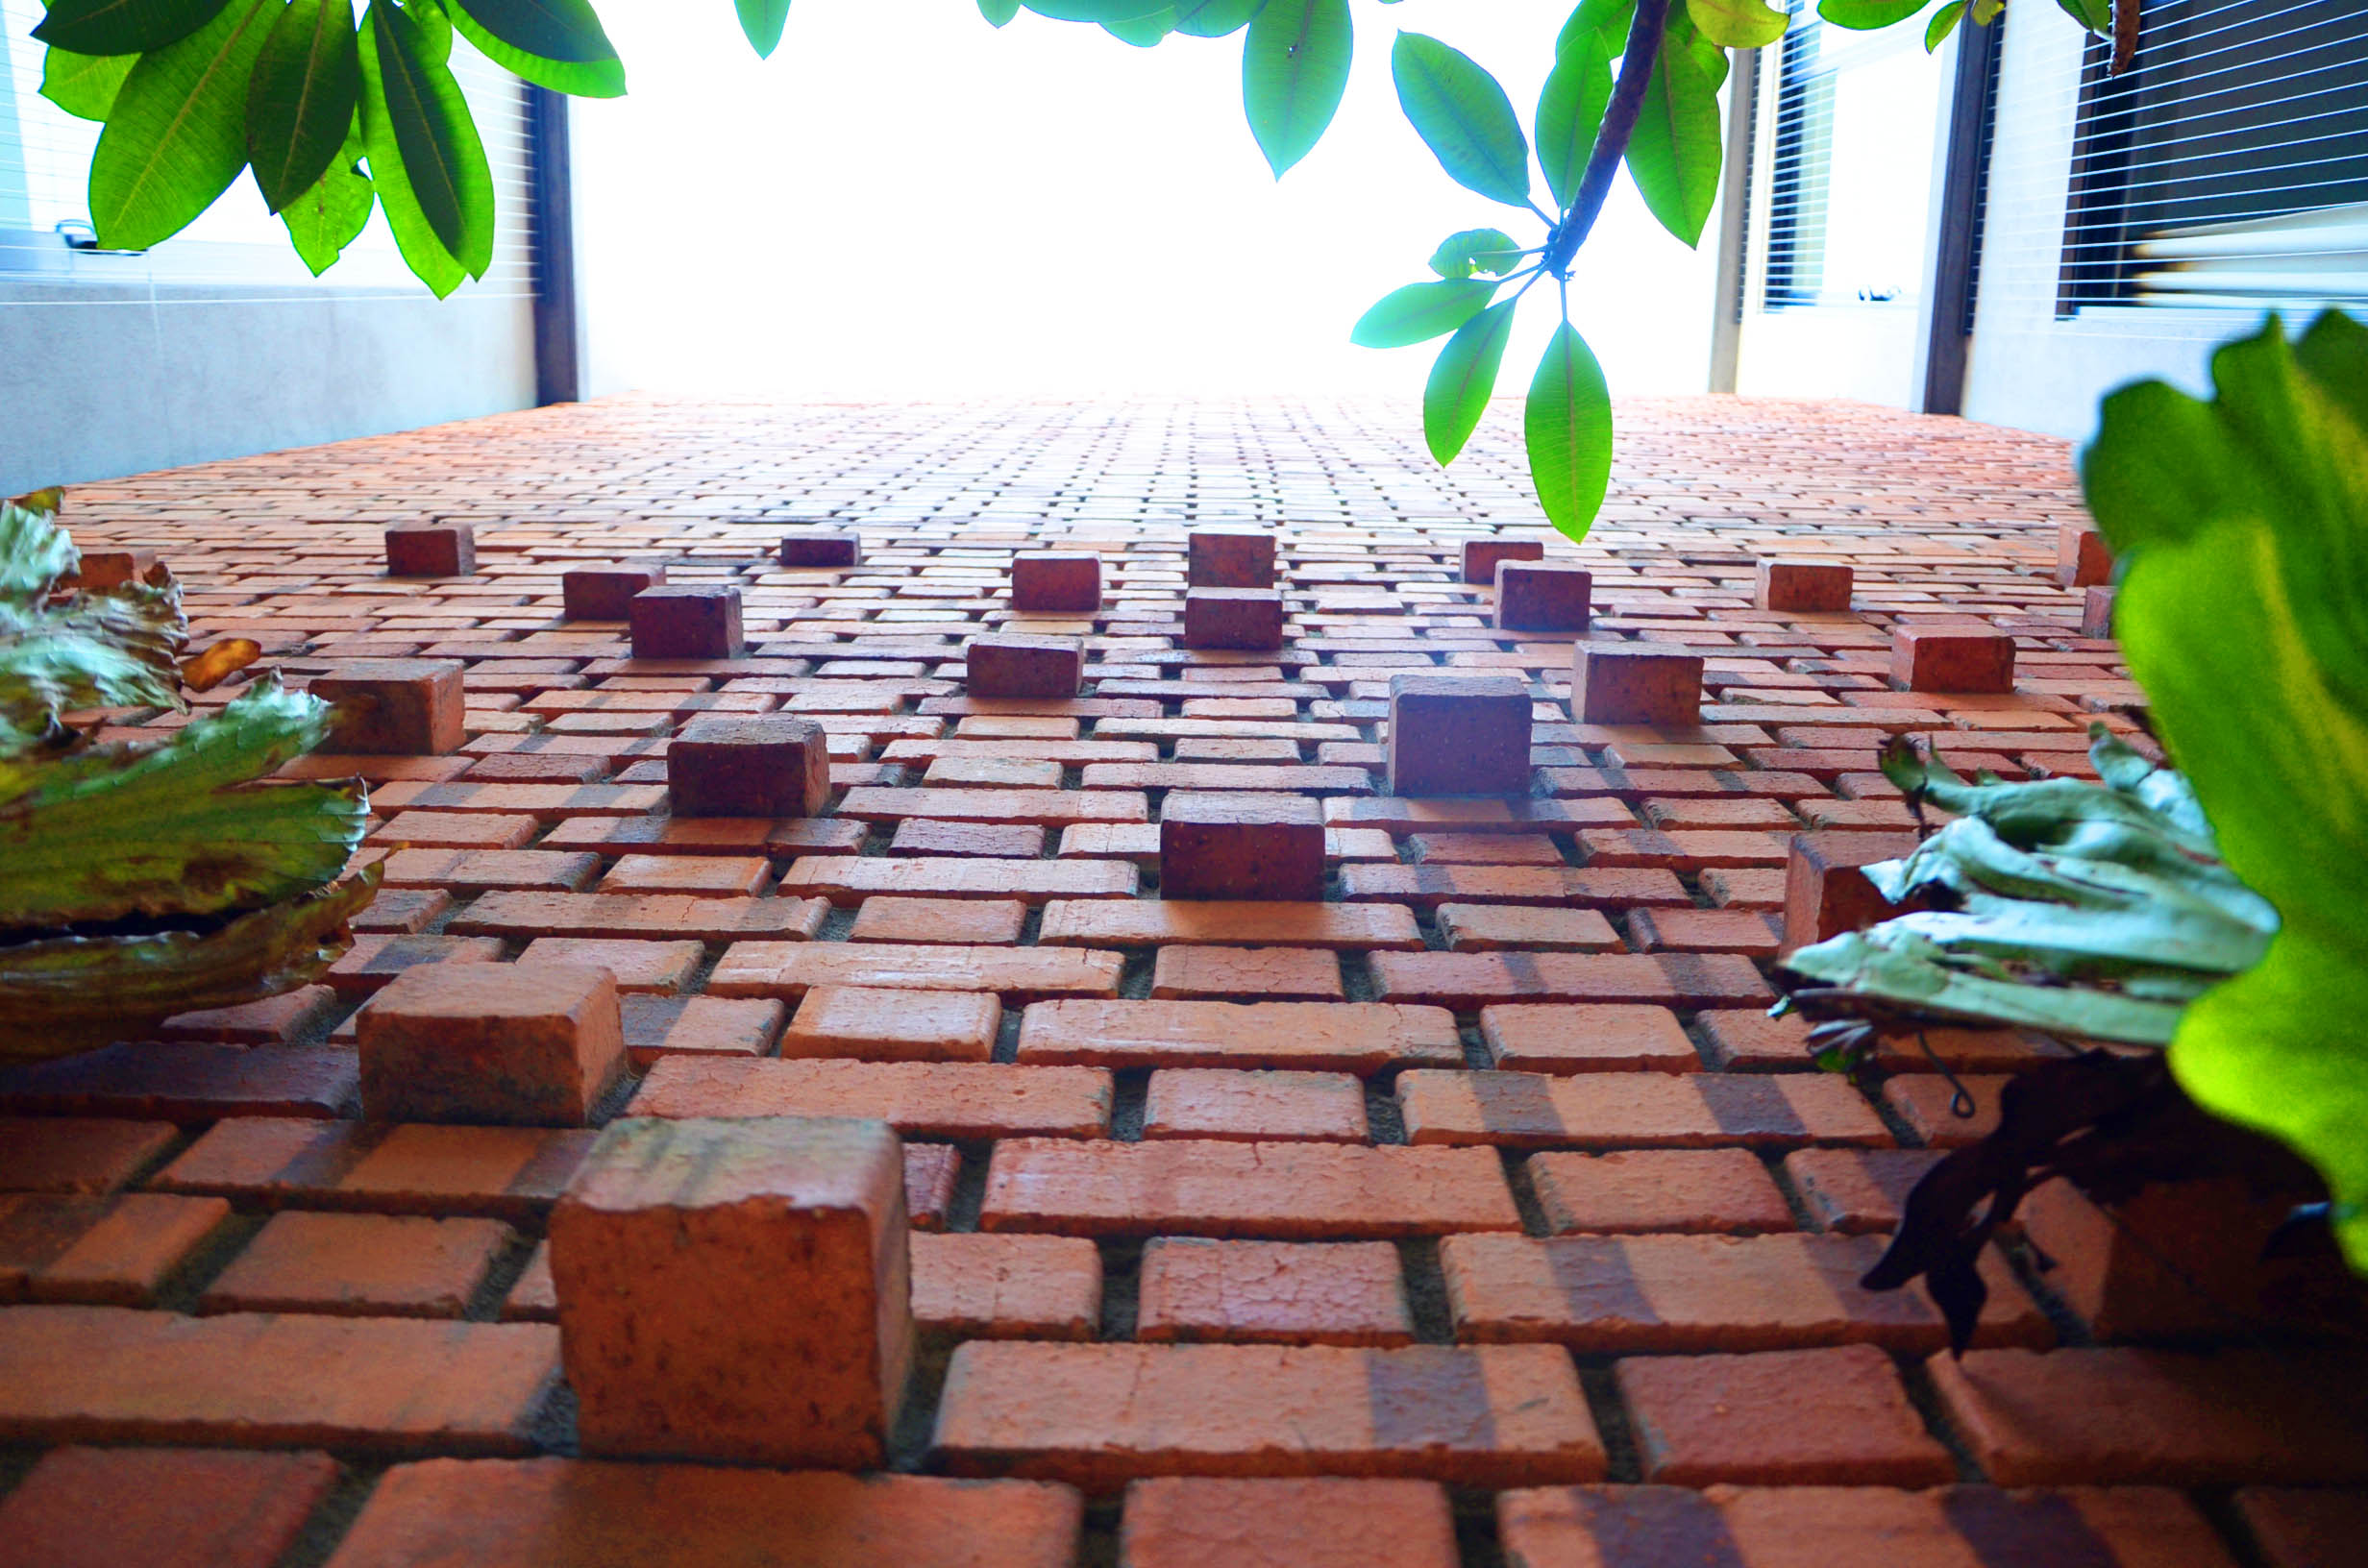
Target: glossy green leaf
{"points": [[1865, 15], [999, 13], [1606, 19], [1214, 18], [1476, 250], [123, 27], [1737, 24], [426, 160], [1462, 377], [84, 86], [1674, 153], [557, 45], [1422, 311], [2096, 16], [1102, 12], [2243, 611], [324, 220], [1294, 68], [1463, 116], [1943, 23], [176, 135], [1570, 111], [762, 22], [1145, 31], [110, 648], [435, 28], [302, 98], [1568, 426]]}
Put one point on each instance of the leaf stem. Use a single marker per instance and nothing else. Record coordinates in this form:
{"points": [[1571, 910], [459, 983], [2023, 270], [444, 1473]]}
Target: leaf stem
{"points": [[1619, 123]]}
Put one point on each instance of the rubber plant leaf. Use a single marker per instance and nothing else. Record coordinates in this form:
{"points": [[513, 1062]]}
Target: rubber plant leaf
{"points": [[1567, 423], [2243, 612], [1463, 116], [1462, 377], [1674, 152], [87, 650], [1738, 24], [1570, 110], [408, 99], [1214, 18], [1422, 311], [323, 221]]}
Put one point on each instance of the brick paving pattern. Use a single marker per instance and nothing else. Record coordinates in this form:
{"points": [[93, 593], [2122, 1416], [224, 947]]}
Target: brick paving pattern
{"points": [[1430, 1189]]}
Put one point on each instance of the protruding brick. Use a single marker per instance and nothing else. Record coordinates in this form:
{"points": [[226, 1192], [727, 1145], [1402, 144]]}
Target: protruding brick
{"points": [[1009, 664], [1481, 555], [605, 593], [1794, 1418], [1458, 735], [526, 1044], [1543, 596], [431, 549], [1228, 558], [156, 1507], [1807, 587], [820, 547], [1056, 584], [1951, 659], [1233, 618], [102, 568], [2082, 557], [1184, 1521], [2097, 612], [395, 707], [1826, 890], [686, 621], [737, 1290], [1257, 846], [763, 764], [1636, 683], [1286, 1292]]}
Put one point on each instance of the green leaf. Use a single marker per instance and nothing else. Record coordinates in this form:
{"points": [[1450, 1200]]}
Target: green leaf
{"points": [[1145, 31], [1570, 110], [1476, 250], [762, 20], [1294, 68], [84, 86], [176, 135], [1865, 15], [302, 98], [1568, 425], [1943, 23], [2096, 16], [1737, 24], [1463, 116], [1606, 19], [2243, 611], [998, 12], [426, 161], [123, 27], [557, 45], [323, 221], [1462, 377], [1673, 155], [1214, 18], [1102, 12], [87, 650], [1420, 313]]}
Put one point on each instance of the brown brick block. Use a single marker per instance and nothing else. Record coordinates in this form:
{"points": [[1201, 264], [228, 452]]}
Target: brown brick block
{"points": [[1543, 596], [1807, 587], [53, 1155], [359, 1265], [1944, 659], [1055, 584], [686, 621], [1016, 841], [1482, 928], [736, 1290], [877, 1025], [1254, 847], [1481, 555], [1181, 1521], [2097, 613], [1636, 1109], [544, 1514], [1458, 735], [1342, 1037], [1269, 974], [186, 1083], [2296, 1528], [785, 970], [1013, 665], [765, 765], [819, 547], [1580, 1037], [621, 917], [1256, 1107], [1100, 1415], [399, 707], [1636, 683], [1184, 1186], [1638, 1191], [2082, 557], [431, 549], [1857, 1191], [1228, 558], [1473, 980], [1147, 923], [1284, 1293], [102, 568], [1233, 618], [99, 1251], [384, 1385], [1787, 1418], [605, 593], [1826, 893], [533, 1044], [116, 1508], [972, 1286], [919, 1099], [939, 922]]}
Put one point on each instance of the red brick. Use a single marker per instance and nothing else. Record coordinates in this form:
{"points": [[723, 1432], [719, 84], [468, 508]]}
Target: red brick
{"points": [[1857, 1191], [1928, 1104], [1006, 1286], [1100, 1415], [1826, 892], [187, 1083], [431, 549], [543, 1513], [1634, 683], [1557, 887], [104, 568], [736, 1290], [761, 765], [1258, 847], [52, 1155], [1531, 1037], [1015, 665], [359, 1266], [265, 1157], [1340, 1037], [99, 1251], [686, 621], [1183, 1522], [1056, 584], [1810, 587], [1211, 1188], [115, 1507], [1211, 1102], [1164, 921], [701, 876], [919, 1099], [1269, 974], [1458, 735], [274, 1018], [510, 1173], [605, 593], [622, 918], [1746, 1040], [1788, 1418], [2097, 613], [2296, 1528], [1482, 555], [466, 873], [1543, 596], [785, 970], [1597, 1110], [1472, 980], [819, 548], [456, 831], [105, 1374], [852, 879], [1483, 928], [882, 803], [1742, 931], [1485, 849], [919, 836], [1228, 558], [1283, 1292], [931, 1172], [1706, 1190], [1233, 618], [531, 1045], [939, 922], [2082, 557], [637, 966], [403, 707], [876, 1025], [1945, 659]]}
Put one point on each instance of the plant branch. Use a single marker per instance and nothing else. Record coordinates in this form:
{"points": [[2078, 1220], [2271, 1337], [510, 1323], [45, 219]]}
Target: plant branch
{"points": [[1619, 123]]}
